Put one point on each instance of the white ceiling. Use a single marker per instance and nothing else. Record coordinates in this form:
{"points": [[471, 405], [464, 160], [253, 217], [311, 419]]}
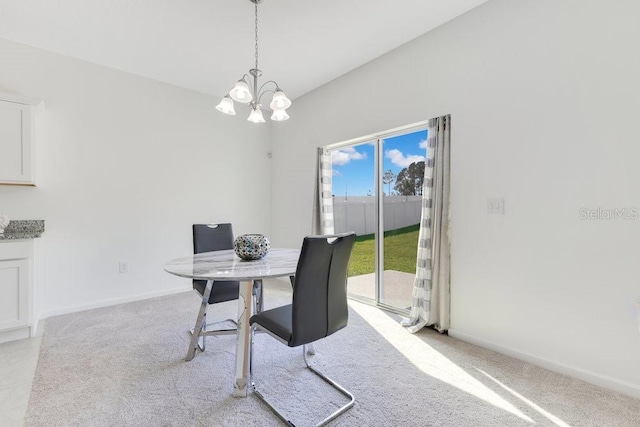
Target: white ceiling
{"points": [[206, 45]]}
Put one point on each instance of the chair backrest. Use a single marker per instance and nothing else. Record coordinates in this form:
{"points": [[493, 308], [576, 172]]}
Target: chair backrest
{"points": [[319, 305], [212, 237]]}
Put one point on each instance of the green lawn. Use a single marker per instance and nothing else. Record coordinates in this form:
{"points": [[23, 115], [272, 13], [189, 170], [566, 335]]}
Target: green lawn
{"points": [[400, 251]]}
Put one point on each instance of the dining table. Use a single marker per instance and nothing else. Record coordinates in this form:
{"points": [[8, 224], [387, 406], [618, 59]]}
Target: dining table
{"points": [[226, 265]]}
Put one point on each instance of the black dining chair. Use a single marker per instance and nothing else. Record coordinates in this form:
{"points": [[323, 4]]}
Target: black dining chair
{"points": [[318, 309], [209, 238]]}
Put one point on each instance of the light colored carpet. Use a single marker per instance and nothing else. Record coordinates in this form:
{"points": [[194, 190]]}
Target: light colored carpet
{"points": [[123, 366]]}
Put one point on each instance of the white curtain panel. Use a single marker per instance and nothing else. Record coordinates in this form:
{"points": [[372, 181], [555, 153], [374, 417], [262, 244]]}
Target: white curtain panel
{"points": [[430, 304], [323, 200]]}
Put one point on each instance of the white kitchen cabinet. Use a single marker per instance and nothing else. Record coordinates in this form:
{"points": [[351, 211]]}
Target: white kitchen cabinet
{"points": [[14, 293], [15, 290], [18, 118]]}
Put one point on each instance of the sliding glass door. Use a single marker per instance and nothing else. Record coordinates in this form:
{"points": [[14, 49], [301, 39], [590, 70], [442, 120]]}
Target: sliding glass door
{"points": [[355, 209], [377, 192], [402, 176]]}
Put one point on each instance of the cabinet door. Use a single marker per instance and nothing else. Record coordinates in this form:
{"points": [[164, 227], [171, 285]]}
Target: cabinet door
{"points": [[14, 290], [15, 143]]}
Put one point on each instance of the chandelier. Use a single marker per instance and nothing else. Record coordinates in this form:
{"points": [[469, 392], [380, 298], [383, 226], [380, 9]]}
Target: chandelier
{"points": [[246, 91]]}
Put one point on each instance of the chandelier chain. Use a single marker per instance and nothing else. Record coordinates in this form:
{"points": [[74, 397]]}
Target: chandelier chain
{"points": [[256, 3]]}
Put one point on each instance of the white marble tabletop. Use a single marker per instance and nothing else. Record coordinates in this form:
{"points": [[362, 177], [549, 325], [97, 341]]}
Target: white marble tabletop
{"points": [[225, 265]]}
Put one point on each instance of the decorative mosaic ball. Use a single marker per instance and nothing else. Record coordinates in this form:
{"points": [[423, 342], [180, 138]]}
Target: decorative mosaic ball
{"points": [[251, 246]]}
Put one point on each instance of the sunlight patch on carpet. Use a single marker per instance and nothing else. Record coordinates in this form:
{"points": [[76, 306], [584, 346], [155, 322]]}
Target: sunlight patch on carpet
{"points": [[430, 361], [557, 421]]}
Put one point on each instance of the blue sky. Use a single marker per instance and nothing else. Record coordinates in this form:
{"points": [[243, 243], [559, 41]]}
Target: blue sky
{"points": [[353, 167]]}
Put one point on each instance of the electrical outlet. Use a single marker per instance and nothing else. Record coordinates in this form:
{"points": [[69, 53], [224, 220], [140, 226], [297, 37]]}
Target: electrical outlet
{"points": [[124, 267], [495, 206]]}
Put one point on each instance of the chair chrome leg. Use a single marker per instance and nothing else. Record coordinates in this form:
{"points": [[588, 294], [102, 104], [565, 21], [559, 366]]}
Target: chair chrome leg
{"points": [[311, 350], [328, 380], [200, 343], [253, 385], [335, 385], [259, 296], [201, 337], [274, 410], [203, 346], [200, 322]]}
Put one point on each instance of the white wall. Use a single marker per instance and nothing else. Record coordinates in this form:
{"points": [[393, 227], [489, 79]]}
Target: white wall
{"points": [[126, 166], [544, 97]]}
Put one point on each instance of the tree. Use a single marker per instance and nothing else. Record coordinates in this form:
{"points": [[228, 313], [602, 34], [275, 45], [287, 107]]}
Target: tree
{"points": [[409, 180], [388, 178]]}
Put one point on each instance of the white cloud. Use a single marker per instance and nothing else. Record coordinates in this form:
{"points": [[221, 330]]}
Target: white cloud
{"points": [[423, 144], [345, 155], [400, 160]]}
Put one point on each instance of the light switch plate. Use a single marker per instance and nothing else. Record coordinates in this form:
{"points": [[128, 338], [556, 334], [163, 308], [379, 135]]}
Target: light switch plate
{"points": [[495, 206], [123, 267]]}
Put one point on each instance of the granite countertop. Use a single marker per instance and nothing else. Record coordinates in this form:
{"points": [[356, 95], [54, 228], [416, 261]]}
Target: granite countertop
{"points": [[23, 229]]}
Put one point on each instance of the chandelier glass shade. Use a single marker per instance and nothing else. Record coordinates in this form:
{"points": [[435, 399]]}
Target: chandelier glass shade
{"points": [[279, 115], [256, 115], [246, 91], [241, 92], [226, 106]]}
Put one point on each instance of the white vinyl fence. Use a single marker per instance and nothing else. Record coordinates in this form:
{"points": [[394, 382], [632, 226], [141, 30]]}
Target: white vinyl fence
{"points": [[358, 213]]}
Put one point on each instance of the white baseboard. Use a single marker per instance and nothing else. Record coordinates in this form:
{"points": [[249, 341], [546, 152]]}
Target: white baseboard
{"points": [[113, 301], [624, 387], [14, 334]]}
